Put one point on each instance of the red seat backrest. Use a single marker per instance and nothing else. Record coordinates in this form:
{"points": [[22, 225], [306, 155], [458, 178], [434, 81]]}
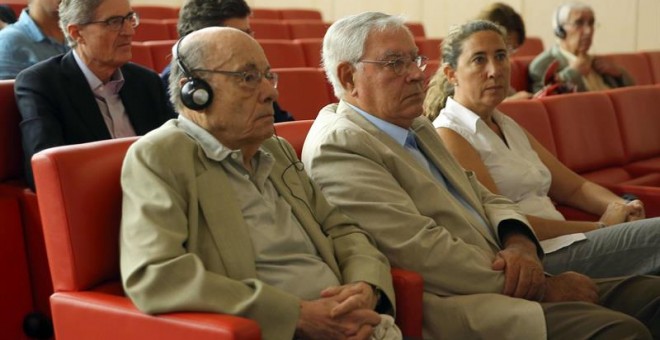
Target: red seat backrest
{"points": [[294, 132], [266, 13], [283, 53], [520, 72], [270, 29], [637, 112], [142, 55], [585, 131], [312, 50], [308, 14], [302, 29], [532, 46], [416, 28], [80, 201], [156, 12], [303, 91], [11, 151], [636, 64], [429, 47], [531, 115], [152, 29]]}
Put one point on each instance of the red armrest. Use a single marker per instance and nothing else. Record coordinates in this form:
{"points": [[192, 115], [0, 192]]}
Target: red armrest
{"points": [[409, 289], [94, 315]]}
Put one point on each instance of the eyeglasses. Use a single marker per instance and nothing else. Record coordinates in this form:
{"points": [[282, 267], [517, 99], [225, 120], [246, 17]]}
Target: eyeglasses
{"points": [[400, 65], [579, 24], [250, 79], [116, 23]]}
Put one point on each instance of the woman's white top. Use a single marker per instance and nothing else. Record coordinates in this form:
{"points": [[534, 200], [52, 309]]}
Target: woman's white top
{"points": [[516, 169]]}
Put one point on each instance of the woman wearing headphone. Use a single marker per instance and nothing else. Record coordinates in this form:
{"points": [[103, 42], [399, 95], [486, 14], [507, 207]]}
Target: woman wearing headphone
{"points": [[574, 25]]}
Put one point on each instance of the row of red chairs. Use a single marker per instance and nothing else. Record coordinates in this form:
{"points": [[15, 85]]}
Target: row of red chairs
{"points": [[280, 53], [609, 137], [643, 67]]}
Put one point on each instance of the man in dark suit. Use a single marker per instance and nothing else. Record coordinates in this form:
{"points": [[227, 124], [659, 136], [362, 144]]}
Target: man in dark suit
{"points": [[92, 92]]}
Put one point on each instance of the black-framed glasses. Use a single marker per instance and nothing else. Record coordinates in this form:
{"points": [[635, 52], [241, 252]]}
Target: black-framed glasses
{"points": [[400, 65], [250, 79], [116, 23]]}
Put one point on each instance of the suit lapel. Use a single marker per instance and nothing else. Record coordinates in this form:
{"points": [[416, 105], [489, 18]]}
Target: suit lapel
{"points": [[453, 173], [230, 232], [82, 98]]}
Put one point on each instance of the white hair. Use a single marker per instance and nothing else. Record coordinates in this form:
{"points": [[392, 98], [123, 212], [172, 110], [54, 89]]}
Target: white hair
{"points": [[560, 16], [345, 39]]}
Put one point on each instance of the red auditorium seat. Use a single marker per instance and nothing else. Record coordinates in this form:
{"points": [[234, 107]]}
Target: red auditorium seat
{"points": [[283, 53], [156, 12], [429, 47], [302, 91], [312, 50], [294, 132], [636, 64], [302, 29], [307, 14], [266, 13], [151, 29], [638, 119], [270, 29], [588, 139], [431, 68], [13, 185], [532, 116], [79, 189], [416, 28], [142, 55], [532, 47]]}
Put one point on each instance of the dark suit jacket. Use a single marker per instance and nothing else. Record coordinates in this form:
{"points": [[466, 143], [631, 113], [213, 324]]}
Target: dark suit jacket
{"points": [[58, 106]]}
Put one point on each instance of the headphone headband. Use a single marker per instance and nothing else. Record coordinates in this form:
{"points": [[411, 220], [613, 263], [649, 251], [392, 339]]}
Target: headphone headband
{"points": [[196, 93]]}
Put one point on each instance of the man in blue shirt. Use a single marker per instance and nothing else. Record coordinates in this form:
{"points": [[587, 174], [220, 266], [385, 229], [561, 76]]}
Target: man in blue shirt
{"points": [[36, 36]]}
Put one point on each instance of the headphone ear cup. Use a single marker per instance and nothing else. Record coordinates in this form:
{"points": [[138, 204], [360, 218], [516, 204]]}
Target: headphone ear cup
{"points": [[196, 94], [560, 32]]}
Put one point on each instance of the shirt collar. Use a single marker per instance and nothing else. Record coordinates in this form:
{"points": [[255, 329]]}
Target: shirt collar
{"points": [[212, 147], [116, 81], [398, 133], [457, 112]]}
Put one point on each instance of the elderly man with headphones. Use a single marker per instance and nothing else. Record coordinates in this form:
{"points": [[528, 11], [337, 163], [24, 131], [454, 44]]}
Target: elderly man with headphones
{"points": [[574, 25], [220, 217]]}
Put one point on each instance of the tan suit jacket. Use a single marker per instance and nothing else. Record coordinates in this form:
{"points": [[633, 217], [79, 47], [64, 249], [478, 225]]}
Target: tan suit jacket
{"points": [[185, 245], [373, 179]]}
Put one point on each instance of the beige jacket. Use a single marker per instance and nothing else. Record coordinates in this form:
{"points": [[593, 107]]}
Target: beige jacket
{"points": [[373, 179], [185, 246]]}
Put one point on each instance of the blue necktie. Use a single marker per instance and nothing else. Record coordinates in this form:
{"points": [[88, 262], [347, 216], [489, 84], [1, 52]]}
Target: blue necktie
{"points": [[411, 146]]}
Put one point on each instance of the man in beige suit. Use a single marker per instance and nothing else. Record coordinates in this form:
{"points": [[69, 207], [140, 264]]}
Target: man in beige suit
{"points": [[218, 217], [384, 165]]}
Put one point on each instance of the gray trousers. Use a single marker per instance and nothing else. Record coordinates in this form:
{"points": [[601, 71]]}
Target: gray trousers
{"points": [[632, 311], [631, 248]]}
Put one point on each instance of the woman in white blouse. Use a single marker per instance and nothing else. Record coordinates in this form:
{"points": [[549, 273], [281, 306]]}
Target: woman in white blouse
{"points": [[461, 101]]}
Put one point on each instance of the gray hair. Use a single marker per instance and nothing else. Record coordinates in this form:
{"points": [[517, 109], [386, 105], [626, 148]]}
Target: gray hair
{"points": [[561, 13], [345, 39], [76, 12], [440, 88], [192, 55]]}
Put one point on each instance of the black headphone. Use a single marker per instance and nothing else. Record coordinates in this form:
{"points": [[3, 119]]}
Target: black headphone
{"points": [[196, 93], [560, 32]]}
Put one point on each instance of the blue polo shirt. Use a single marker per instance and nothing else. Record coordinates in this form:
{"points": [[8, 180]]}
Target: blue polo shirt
{"points": [[22, 44]]}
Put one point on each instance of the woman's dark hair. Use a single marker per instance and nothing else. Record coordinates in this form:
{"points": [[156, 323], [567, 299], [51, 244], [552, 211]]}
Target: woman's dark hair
{"points": [[505, 16]]}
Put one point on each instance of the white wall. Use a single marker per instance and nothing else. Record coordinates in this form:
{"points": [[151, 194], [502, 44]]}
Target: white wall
{"points": [[624, 26]]}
